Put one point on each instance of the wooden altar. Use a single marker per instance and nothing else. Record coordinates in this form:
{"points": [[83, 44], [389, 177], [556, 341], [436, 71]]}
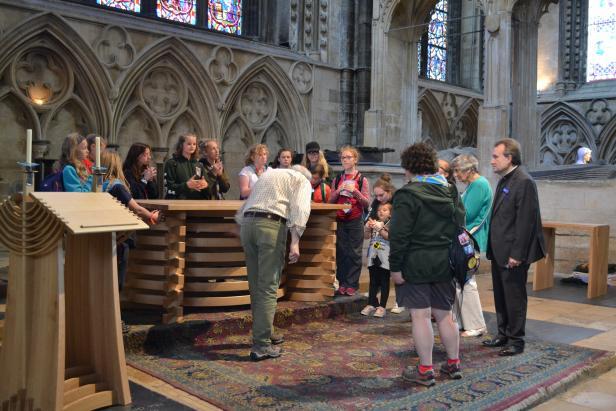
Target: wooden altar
{"points": [[63, 347], [195, 258]]}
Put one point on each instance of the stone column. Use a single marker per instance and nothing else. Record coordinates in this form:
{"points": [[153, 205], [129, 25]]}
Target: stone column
{"points": [[373, 118], [363, 13], [495, 114], [572, 45]]}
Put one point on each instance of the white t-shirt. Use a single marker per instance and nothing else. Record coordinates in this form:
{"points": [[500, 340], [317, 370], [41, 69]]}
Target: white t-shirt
{"points": [[249, 171]]}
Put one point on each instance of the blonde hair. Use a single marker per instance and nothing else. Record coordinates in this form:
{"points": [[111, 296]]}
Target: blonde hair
{"points": [[321, 161], [384, 183], [112, 161], [256, 149], [351, 149], [70, 148]]}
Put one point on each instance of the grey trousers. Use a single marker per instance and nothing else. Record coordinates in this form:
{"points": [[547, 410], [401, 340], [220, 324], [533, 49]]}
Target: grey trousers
{"points": [[264, 243], [467, 308]]}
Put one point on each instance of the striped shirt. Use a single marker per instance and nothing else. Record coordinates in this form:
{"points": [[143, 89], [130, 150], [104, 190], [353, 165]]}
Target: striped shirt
{"points": [[283, 192]]}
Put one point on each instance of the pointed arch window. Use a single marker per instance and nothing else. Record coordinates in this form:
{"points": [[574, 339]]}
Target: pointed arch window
{"points": [[225, 16], [601, 55], [127, 5], [432, 50], [182, 11]]}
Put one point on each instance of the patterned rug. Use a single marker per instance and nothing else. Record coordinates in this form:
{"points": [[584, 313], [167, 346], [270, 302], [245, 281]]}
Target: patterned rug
{"points": [[354, 363]]}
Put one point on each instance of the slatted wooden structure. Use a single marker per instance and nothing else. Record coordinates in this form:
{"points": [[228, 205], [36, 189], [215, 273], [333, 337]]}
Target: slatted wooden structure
{"points": [[195, 258], [598, 251], [63, 347]]}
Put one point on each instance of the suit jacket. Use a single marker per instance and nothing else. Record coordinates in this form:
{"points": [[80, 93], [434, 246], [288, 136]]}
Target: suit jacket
{"points": [[515, 225]]}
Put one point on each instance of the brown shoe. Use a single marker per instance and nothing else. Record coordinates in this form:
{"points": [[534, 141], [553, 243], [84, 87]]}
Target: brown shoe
{"points": [[259, 353]]}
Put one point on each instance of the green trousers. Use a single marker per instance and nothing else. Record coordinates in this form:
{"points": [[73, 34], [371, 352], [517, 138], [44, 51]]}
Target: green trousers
{"points": [[265, 243]]}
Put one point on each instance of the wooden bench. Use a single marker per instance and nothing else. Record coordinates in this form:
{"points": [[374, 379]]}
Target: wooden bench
{"points": [[597, 256]]}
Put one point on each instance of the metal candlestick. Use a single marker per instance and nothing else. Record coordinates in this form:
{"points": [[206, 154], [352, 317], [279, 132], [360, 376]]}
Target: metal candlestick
{"points": [[97, 179], [28, 170]]}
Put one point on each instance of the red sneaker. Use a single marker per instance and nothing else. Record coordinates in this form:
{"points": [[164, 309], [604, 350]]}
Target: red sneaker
{"points": [[341, 290], [350, 291]]}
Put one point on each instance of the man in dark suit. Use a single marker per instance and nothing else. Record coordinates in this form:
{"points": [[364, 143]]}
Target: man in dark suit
{"points": [[515, 241]]}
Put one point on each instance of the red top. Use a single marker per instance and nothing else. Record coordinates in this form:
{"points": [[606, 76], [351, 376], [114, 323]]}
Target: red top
{"points": [[317, 193], [358, 199]]}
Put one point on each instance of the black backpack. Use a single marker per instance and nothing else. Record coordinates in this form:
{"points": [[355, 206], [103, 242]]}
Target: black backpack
{"points": [[463, 253]]}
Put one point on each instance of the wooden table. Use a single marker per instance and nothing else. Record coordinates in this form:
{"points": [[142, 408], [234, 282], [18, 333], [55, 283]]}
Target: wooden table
{"points": [[597, 256], [195, 259]]}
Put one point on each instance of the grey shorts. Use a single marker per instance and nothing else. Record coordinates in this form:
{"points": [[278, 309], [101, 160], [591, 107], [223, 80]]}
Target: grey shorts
{"points": [[428, 295]]}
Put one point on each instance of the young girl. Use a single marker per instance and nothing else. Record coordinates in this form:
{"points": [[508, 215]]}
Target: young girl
{"points": [[352, 189], [378, 260], [184, 174], [315, 156], [140, 176], [256, 164], [75, 175], [320, 190], [283, 159]]}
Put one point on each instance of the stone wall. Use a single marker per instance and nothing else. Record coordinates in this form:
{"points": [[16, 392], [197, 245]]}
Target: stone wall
{"points": [[579, 202]]}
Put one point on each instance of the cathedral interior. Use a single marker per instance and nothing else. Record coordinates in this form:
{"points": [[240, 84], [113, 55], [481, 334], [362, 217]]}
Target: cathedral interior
{"points": [[379, 75]]}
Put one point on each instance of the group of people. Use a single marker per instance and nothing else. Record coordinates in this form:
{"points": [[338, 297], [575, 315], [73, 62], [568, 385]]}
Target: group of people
{"points": [[409, 230]]}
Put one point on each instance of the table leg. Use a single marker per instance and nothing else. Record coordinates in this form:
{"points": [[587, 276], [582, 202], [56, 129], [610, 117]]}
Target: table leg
{"points": [[544, 269], [597, 262]]}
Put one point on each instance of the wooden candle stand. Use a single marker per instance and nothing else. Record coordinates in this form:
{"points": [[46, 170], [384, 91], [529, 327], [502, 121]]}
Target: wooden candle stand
{"points": [[63, 347]]}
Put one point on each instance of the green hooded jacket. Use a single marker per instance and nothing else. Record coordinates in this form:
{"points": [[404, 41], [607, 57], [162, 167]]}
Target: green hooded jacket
{"points": [[421, 229], [178, 170]]}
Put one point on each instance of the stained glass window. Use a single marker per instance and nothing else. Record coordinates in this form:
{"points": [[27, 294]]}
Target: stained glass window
{"points": [[436, 67], [601, 62], [128, 5], [225, 15], [184, 11]]}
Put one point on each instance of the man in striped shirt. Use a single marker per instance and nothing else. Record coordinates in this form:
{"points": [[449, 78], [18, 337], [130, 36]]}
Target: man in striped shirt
{"points": [[278, 201]]}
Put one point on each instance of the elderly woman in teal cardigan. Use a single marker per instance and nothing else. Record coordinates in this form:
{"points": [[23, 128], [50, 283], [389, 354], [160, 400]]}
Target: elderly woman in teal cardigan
{"points": [[477, 199]]}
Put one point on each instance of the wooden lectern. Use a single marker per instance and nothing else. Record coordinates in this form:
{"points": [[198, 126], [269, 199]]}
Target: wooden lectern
{"points": [[63, 347]]}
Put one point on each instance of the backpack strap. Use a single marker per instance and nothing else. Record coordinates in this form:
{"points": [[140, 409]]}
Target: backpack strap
{"points": [[323, 191]]}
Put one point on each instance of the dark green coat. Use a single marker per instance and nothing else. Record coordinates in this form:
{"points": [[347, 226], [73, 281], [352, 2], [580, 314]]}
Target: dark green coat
{"points": [[421, 229], [178, 170]]}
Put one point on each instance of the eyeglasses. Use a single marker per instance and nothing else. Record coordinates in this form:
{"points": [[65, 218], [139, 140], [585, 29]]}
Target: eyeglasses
{"points": [[346, 157], [313, 152]]}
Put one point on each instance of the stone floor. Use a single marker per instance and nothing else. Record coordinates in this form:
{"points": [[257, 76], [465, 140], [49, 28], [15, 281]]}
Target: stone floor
{"points": [[561, 314]]}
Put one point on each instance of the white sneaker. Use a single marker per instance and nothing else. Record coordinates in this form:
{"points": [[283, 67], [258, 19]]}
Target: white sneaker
{"points": [[473, 333], [369, 309], [396, 309], [380, 312]]}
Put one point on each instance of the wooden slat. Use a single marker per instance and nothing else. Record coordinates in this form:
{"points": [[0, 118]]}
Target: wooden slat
{"points": [[147, 284], [222, 301], [320, 219], [564, 225], [213, 242], [323, 240], [299, 270], [314, 258], [83, 391], [74, 382], [224, 286], [216, 272], [211, 227], [306, 297], [91, 402], [317, 232], [77, 371], [144, 241], [324, 278], [216, 257], [305, 246], [317, 284], [152, 299], [157, 269], [323, 225]]}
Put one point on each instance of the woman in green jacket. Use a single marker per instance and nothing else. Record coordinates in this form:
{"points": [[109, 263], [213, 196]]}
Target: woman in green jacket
{"points": [[421, 230], [184, 174]]}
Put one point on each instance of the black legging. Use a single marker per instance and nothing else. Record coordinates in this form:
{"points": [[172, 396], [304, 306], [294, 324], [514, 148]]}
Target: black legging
{"points": [[379, 280]]}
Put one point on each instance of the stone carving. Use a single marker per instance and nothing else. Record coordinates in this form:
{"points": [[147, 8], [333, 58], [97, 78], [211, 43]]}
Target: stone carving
{"points": [[42, 76], [163, 92], [184, 124], [139, 126], [293, 26], [599, 114], [114, 48], [221, 67], [450, 108], [69, 118], [275, 138], [323, 30], [301, 74], [257, 105], [308, 11]]}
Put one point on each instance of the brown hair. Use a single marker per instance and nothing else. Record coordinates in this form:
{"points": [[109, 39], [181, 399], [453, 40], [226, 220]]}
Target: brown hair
{"points": [[512, 149], [318, 169], [69, 156], [91, 138], [131, 164], [277, 159], [419, 159], [384, 183], [180, 145], [256, 149]]}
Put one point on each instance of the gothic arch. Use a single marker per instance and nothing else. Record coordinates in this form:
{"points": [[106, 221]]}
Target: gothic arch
{"points": [[50, 31], [464, 126], [137, 124], [563, 131], [172, 56], [607, 138], [433, 119], [290, 111]]}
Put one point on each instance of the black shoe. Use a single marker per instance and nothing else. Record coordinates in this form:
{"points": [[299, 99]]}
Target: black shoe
{"points": [[495, 342], [511, 350], [262, 353], [277, 339]]}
